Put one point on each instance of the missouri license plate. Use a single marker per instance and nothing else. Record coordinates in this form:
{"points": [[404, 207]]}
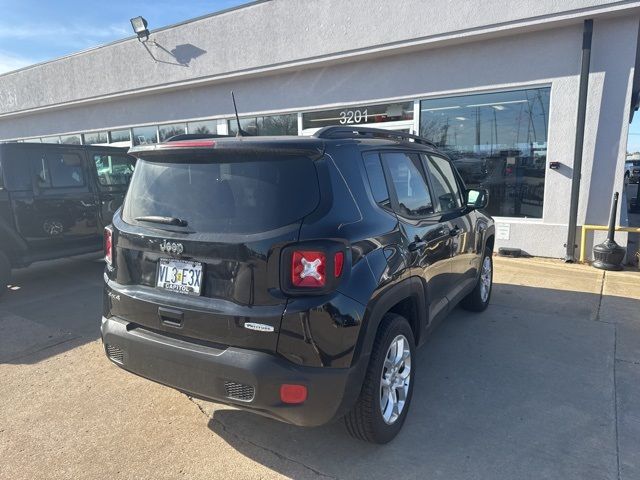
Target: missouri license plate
{"points": [[180, 276]]}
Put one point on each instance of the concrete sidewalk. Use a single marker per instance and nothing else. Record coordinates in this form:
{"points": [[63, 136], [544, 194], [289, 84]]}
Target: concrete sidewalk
{"points": [[544, 384]]}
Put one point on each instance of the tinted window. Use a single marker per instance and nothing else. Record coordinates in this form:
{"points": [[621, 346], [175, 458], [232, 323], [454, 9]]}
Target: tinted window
{"points": [[376, 178], [225, 197], [409, 184], [443, 179], [15, 164], [114, 170], [65, 170]]}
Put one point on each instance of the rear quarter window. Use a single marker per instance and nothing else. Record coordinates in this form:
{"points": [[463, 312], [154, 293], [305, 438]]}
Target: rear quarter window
{"points": [[225, 197]]}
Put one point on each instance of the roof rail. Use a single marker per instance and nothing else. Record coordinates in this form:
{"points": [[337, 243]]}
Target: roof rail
{"points": [[356, 132]]}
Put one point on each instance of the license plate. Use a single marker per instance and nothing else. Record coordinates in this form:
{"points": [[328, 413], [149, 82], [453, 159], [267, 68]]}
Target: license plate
{"points": [[180, 276]]}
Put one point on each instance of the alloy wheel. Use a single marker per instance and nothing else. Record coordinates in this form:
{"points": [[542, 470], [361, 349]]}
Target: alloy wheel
{"points": [[394, 383]]}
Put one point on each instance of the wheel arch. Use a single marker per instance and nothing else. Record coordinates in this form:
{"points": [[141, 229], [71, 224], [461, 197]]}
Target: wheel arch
{"points": [[407, 298]]}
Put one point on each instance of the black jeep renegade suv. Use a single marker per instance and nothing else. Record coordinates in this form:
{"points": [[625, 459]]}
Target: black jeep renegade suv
{"points": [[293, 276]]}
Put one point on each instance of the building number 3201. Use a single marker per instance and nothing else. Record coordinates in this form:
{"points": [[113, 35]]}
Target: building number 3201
{"points": [[354, 116]]}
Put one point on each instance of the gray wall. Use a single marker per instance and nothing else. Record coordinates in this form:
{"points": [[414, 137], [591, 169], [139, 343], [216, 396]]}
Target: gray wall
{"points": [[530, 57], [271, 35]]}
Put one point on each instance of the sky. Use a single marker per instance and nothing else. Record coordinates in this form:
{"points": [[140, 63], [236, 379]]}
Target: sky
{"points": [[633, 144], [34, 31]]}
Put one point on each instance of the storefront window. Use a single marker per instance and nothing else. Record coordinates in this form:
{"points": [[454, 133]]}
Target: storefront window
{"points": [[95, 138], [145, 135], [168, 131], [359, 115], [267, 125], [497, 141], [70, 139], [116, 136], [203, 128]]}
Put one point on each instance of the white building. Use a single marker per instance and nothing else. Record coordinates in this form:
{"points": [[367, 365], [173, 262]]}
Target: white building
{"points": [[495, 84]]}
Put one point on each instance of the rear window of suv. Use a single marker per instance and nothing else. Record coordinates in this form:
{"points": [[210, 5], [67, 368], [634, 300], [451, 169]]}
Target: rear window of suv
{"points": [[219, 197]]}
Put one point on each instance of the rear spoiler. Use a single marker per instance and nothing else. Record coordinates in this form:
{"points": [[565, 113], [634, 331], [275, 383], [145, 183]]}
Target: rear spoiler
{"points": [[250, 146]]}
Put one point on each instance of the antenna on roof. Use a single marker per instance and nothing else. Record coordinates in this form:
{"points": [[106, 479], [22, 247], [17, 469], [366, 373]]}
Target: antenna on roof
{"points": [[241, 133]]}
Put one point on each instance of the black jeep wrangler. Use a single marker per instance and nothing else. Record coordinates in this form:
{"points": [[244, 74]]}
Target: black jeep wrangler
{"points": [[55, 200], [293, 276]]}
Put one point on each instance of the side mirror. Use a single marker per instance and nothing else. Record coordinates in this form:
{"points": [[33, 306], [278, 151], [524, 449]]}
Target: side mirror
{"points": [[477, 198]]}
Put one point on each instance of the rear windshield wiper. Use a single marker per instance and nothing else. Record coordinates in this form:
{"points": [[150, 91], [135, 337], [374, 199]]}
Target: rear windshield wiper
{"points": [[176, 222]]}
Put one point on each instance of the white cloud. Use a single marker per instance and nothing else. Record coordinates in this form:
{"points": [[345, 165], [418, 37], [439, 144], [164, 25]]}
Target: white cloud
{"points": [[9, 62]]}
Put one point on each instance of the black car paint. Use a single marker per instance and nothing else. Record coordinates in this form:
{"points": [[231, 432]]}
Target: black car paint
{"points": [[46, 223], [312, 333]]}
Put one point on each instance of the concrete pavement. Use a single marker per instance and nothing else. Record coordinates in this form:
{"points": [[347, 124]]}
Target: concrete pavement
{"points": [[544, 384]]}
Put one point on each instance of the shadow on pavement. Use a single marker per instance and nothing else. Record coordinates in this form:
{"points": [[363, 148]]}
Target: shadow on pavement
{"points": [[524, 390], [51, 307]]}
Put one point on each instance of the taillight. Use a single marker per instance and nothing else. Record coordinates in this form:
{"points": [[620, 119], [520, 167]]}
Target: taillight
{"points": [[108, 245], [308, 269], [338, 263]]}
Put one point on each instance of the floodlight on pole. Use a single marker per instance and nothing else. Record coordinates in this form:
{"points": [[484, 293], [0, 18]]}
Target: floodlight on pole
{"points": [[139, 25]]}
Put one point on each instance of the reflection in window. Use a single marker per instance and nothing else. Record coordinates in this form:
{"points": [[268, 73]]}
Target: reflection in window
{"points": [[375, 174], [114, 170], [497, 141], [203, 128], [168, 131], [409, 184], [65, 170], [70, 139], [116, 136], [443, 179], [95, 138], [269, 125], [145, 135], [51, 139]]}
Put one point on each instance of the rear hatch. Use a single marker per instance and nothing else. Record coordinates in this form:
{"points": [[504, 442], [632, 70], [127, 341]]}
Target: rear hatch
{"points": [[197, 243]]}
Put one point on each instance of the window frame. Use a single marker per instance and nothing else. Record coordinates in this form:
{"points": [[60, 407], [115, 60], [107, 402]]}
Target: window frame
{"points": [[393, 194], [46, 157], [385, 205], [456, 175], [94, 170]]}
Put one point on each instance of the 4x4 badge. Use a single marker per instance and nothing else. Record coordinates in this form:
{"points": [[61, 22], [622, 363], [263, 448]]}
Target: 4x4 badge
{"points": [[172, 247]]}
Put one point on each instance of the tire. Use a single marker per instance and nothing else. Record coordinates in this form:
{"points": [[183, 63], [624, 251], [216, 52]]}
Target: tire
{"points": [[479, 298], [366, 420], [5, 272]]}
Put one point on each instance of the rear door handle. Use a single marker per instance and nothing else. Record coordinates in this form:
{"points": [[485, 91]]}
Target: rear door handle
{"points": [[455, 231]]}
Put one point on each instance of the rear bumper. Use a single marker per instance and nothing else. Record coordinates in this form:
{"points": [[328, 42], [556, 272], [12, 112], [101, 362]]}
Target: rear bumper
{"points": [[220, 374]]}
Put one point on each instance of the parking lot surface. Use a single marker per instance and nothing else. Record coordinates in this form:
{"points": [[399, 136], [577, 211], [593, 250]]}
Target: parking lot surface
{"points": [[544, 384]]}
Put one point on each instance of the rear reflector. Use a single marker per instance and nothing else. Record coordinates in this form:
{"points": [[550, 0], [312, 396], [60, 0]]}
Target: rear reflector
{"points": [[108, 246], [308, 269], [293, 394]]}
